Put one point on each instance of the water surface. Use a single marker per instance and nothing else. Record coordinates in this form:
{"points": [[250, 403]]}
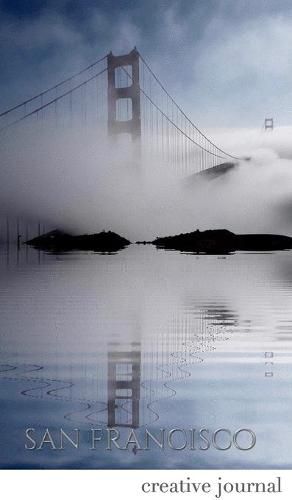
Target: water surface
{"points": [[145, 339]]}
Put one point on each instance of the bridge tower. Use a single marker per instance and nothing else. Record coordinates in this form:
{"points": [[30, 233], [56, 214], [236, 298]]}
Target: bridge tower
{"points": [[130, 63], [269, 123]]}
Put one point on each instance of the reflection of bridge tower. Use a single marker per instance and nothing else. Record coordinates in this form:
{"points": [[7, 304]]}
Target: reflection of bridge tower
{"points": [[126, 94], [124, 378]]}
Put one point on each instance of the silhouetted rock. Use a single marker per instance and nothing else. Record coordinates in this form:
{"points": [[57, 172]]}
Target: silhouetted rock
{"points": [[59, 241], [222, 241]]}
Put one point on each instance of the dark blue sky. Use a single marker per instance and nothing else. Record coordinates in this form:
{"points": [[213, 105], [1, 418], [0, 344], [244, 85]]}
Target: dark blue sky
{"points": [[228, 62]]}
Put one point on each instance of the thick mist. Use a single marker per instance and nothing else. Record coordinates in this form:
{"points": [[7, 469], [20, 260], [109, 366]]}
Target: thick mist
{"points": [[78, 180], [74, 179]]}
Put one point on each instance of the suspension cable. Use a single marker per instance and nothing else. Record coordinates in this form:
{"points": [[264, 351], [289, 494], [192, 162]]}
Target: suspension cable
{"points": [[31, 113], [41, 94], [171, 121], [181, 110]]}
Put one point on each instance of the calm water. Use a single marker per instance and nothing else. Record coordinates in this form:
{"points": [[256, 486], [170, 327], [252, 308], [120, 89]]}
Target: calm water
{"points": [[149, 340]]}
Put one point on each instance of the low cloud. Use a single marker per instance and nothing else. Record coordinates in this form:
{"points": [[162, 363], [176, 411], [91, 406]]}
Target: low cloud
{"points": [[77, 180]]}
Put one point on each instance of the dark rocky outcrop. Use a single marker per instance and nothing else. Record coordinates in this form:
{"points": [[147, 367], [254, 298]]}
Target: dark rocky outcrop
{"points": [[222, 241], [59, 241]]}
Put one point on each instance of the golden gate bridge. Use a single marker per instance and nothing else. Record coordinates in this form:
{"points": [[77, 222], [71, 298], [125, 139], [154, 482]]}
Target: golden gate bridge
{"points": [[122, 96]]}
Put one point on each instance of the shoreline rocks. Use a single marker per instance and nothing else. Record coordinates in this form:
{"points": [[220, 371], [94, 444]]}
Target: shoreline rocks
{"points": [[212, 241], [59, 241], [223, 241]]}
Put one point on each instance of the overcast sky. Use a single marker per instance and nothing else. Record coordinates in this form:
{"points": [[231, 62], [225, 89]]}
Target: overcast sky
{"points": [[227, 62]]}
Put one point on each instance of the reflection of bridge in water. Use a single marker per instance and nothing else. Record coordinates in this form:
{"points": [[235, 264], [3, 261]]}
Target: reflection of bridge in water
{"points": [[138, 381], [132, 380]]}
